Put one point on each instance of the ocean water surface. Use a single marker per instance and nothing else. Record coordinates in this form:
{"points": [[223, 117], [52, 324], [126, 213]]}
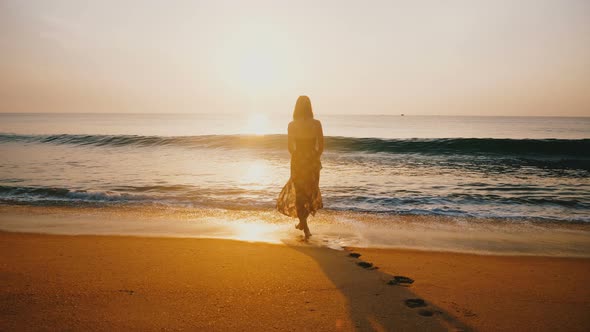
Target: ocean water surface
{"points": [[461, 166], [494, 168]]}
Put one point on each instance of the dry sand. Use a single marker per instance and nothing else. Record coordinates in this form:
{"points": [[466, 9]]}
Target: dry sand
{"points": [[58, 282], [497, 293]]}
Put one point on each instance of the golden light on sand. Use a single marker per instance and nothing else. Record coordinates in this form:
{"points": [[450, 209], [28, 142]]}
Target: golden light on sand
{"points": [[255, 232], [257, 124]]}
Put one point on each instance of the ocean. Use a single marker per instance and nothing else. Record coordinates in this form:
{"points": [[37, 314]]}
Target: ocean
{"points": [[499, 167], [507, 169]]}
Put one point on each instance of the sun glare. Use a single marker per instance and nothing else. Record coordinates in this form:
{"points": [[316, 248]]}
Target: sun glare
{"points": [[250, 232], [255, 175], [258, 60]]}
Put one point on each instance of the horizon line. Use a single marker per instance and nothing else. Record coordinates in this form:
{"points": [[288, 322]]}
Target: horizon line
{"points": [[328, 114]]}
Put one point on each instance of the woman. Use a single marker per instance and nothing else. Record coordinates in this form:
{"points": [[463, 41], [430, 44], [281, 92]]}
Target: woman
{"points": [[301, 195]]}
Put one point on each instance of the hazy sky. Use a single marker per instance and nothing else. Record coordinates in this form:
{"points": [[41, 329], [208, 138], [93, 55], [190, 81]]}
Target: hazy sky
{"points": [[525, 57]]}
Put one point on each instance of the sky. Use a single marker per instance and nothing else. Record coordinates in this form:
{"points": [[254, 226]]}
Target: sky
{"points": [[456, 57]]}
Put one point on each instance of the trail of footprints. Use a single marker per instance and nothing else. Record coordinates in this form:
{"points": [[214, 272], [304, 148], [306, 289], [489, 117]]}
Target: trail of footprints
{"points": [[399, 281]]}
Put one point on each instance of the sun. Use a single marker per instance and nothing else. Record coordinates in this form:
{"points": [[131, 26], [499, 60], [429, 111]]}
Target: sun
{"points": [[257, 61], [257, 124]]}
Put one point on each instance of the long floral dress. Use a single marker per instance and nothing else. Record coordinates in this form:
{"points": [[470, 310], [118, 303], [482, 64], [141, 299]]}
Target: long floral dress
{"points": [[301, 195]]}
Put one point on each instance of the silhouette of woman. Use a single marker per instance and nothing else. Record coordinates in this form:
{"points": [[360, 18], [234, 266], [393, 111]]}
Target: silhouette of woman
{"points": [[301, 195]]}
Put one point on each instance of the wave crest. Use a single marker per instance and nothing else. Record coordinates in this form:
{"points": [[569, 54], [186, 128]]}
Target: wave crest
{"points": [[575, 149]]}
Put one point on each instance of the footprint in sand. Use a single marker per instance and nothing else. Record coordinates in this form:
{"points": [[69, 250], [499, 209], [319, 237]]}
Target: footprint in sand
{"points": [[419, 303], [367, 265], [425, 313], [400, 280], [415, 303]]}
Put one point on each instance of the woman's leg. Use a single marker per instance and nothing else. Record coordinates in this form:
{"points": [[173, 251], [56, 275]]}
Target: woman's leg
{"points": [[304, 227], [302, 213], [306, 230], [302, 201]]}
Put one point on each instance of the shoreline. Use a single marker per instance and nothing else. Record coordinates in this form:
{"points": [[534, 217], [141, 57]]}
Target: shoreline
{"points": [[331, 229], [131, 282]]}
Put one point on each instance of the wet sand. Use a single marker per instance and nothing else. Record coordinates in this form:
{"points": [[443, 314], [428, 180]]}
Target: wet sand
{"points": [[59, 282], [334, 229]]}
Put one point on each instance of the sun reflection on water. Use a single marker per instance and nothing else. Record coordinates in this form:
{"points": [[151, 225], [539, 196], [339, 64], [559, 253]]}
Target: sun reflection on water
{"points": [[256, 175]]}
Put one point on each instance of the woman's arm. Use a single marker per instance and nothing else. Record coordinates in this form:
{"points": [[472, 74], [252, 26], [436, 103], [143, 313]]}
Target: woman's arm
{"points": [[291, 139], [320, 136]]}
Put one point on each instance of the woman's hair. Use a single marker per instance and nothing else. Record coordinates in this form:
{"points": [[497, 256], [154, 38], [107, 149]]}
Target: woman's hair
{"points": [[302, 109]]}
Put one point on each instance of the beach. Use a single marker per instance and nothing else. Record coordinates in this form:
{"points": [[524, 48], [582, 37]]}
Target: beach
{"points": [[63, 282], [295, 166]]}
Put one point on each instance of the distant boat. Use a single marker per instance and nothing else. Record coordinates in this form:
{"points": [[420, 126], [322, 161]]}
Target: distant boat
{"points": [[402, 114]]}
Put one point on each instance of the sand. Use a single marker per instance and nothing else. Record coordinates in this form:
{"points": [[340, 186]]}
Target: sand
{"points": [[60, 282], [497, 293]]}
